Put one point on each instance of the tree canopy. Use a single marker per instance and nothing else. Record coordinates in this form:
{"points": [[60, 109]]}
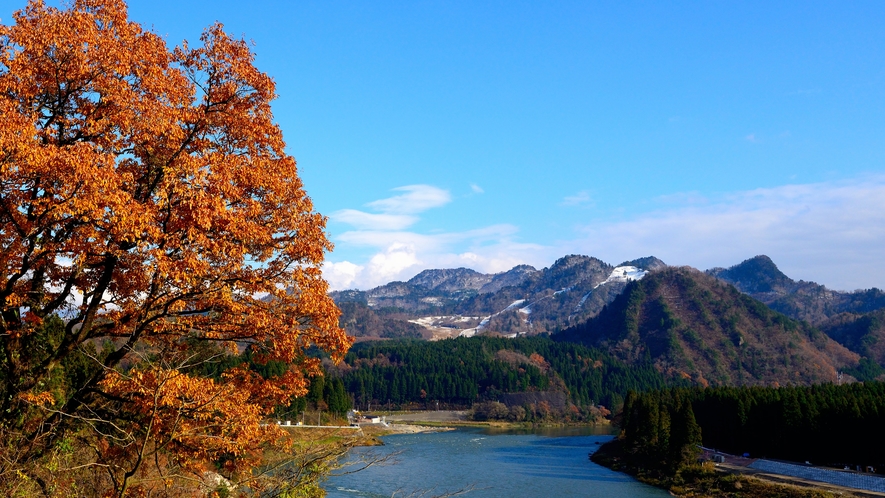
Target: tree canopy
{"points": [[821, 423], [147, 206]]}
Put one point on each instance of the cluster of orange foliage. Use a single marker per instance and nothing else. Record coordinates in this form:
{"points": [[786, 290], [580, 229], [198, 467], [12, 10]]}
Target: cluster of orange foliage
{"points": [[146, 198], [539, 361]]}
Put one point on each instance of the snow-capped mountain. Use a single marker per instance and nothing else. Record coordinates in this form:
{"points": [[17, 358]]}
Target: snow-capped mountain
{"points": [[523, 300]]}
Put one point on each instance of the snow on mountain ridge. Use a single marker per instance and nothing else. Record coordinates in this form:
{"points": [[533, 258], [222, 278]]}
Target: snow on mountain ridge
{"points": [[514, 304], [619, 274], [624, 274]]}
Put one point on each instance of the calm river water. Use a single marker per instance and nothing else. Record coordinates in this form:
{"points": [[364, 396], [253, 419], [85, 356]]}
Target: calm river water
{"points": [[543, 464]]}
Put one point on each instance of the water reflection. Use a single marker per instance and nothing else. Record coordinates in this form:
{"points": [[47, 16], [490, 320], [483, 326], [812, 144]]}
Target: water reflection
{"points": [[596, 430]]}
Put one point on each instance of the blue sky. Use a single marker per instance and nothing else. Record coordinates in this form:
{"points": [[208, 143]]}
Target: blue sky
{"points": [[487, 134]]}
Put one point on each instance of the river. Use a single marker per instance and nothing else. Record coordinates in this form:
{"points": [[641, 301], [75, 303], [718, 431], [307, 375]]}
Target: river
{"points": [[542, 464]]}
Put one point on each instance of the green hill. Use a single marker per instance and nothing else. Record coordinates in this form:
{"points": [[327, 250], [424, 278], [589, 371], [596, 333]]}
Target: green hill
{"points": [[691, 325]]}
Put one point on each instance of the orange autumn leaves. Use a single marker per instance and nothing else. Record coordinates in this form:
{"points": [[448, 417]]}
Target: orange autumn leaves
{"points": [[146, 198], [194, 418]]}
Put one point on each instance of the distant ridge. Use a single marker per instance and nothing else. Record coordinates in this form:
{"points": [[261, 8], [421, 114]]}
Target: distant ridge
{"points": [[758, 275], [809, 301], [749, 324], [579, 291], [522, 300], [450, 280], [694, 326]]}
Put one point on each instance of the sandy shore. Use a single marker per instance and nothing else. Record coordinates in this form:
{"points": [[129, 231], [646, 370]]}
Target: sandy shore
{"points": [[400, 428], [436, 416], [415, 429]]}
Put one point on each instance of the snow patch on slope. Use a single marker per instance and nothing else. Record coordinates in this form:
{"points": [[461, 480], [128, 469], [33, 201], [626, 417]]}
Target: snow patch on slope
{"points": [[584, 299], [485, 321], [445, 325], [624, 274], [619, 274], [514, 304], [472, 332]]}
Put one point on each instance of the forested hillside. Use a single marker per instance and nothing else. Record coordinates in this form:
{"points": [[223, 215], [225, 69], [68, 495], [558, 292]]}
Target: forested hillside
{"points": [[760, 278], [459, 372], [863, 333], [694, 326], [671, 326], [701, 331], [822, 423]]}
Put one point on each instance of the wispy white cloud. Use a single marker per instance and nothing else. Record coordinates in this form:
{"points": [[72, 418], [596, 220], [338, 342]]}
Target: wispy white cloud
{"points": [[416, 199], [427, 242], [372, 221], [476, 189], [341, 274], [401, 255], [751, 138], [579, 199], [831, 232], [397, 212], [402, 261]]}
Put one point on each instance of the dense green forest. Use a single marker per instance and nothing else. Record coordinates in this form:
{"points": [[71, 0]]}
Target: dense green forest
{"points": [[462, 371], [659, 430], [821, 423]]}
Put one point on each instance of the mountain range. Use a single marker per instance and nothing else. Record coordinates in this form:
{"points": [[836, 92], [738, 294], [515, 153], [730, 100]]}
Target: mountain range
{"points": [[523, 300], [854, 319], [747, 324], [760, 278]]}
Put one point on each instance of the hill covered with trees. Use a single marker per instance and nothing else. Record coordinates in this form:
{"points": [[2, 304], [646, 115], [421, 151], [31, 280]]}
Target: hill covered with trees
{"points": [[863, 333], [760, 278], [691, 325], [674, 326], [821, 423], [517, 372]]}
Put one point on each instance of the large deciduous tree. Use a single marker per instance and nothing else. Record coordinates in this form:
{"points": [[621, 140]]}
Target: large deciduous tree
{"points": [[147, 207]]}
